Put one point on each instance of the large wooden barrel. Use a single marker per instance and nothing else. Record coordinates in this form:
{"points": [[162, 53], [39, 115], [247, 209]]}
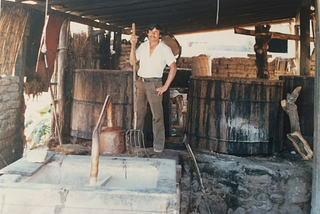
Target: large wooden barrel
{"points": [[304, 104], [90, 88], [235, 115]]}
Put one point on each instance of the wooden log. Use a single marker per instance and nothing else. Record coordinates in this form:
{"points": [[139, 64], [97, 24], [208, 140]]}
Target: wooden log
{"points": [[290, 108], [63, 103], [261, 47], [301, 145], [296, 138], [304, 38]]}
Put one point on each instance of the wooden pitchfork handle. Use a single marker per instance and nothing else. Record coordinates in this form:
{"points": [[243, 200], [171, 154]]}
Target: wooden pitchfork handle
{"points": [[133, 49]]}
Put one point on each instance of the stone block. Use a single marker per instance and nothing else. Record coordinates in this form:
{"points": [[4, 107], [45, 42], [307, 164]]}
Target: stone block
{"points": [[216, 61], [6, 132], [236, 60], [6, 97], [251, 62], [37, 156], [15, 79], [5, 81], [13, 87], [276, 198], [3, 107], [15, 95], [224, 61], [3, 89], [236, 66], [13, 104], [8, 113]]}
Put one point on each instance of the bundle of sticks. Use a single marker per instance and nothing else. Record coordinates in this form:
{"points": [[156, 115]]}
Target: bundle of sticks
{"points": [[12, 26]]}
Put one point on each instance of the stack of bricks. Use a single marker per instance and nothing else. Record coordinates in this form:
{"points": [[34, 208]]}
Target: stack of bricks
{"points": [[313, 64], [184, 62], [124, 60], [11, 124], [231, 67], [234, 67]]}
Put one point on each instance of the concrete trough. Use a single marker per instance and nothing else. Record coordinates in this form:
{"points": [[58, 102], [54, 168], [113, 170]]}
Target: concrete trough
{"points": [[125, 185]]}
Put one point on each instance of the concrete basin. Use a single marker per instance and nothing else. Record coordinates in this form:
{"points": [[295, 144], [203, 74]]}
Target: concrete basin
{"points": [[125, 185]]}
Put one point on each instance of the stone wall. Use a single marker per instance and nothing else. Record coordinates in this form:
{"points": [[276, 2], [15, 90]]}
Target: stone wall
{"points": [[240, 185], [11, 120]]}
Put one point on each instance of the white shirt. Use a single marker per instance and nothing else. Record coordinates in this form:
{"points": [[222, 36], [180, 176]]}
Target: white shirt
{"points": [[152, 66]]}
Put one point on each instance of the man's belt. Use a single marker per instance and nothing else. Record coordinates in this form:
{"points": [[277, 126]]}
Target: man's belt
{"points": [[150, 79]]}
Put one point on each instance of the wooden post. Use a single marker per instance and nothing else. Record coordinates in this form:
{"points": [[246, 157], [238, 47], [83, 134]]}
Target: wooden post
{"points": [[117, 48], [88, 59], [261, 47], [297, 57], [61, 92], [305, 38], [104, 50], [315, 205]]}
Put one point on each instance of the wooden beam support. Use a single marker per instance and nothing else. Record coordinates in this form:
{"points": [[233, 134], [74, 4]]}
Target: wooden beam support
{"points": [[315, 195], [304, 38], [274, 35], [72, 17]]}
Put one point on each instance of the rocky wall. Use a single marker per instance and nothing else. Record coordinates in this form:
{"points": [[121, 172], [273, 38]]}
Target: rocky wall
{"points": [[246, 185], [11, 120]]}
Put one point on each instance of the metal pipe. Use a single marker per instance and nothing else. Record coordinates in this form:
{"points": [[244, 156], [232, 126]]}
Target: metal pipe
{"points": [[107, 108]]}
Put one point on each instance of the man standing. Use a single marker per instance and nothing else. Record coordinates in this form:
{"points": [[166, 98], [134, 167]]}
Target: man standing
{"points": [[153, 56]]}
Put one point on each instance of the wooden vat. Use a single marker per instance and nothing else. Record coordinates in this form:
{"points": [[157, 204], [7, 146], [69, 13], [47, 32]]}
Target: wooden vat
{"points": [[235, 115], [90, 90], [305, 105]]}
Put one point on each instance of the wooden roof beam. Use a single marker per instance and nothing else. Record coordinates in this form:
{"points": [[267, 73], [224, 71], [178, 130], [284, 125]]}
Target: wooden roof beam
{"points": [[275, 35], [72, 17]]}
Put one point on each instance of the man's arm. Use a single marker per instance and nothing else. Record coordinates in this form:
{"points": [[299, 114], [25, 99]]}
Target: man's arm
{"points": [[171, 75], [133, 58]]}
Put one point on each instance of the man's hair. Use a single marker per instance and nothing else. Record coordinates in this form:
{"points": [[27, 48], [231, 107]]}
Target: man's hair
{"points": [[156, 26]]}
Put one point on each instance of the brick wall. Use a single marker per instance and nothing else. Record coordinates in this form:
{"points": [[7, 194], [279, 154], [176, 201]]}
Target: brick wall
{"points": [[231, 67], [124, 60], [11, 120], [221, 67]]}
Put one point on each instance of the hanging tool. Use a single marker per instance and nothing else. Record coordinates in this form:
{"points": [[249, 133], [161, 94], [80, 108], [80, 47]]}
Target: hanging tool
{"points": [[44, 50], [135, 138]]}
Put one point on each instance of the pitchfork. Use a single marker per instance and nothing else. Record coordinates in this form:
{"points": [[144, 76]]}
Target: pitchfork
{"points": [[135, 138]]}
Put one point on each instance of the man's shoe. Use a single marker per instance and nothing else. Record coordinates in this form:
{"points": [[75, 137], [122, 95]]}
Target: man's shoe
{"points": [[157, 150]]}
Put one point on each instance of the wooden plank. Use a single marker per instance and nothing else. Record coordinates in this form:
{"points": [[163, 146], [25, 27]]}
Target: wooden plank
{"points": [[23, 167]]}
